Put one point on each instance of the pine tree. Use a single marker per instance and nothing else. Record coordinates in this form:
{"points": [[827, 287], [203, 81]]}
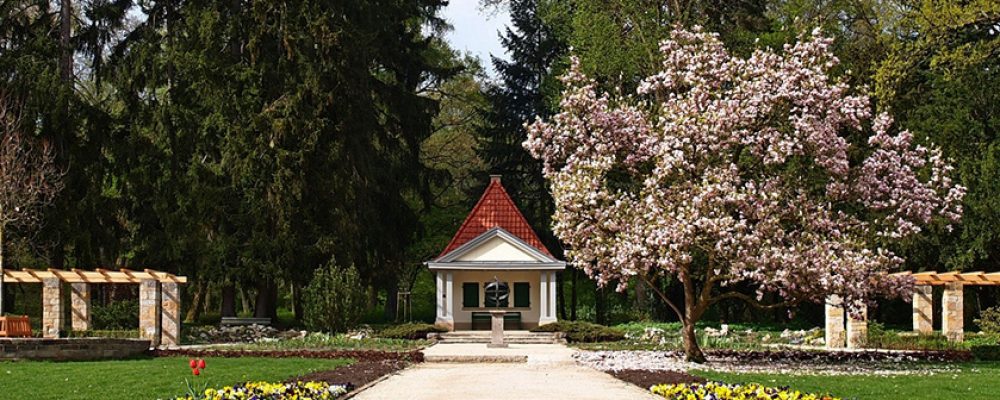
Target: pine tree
{"points": [[519, 97]]}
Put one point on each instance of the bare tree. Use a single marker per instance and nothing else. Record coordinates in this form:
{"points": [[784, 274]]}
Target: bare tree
{"points": [[29, 178]]}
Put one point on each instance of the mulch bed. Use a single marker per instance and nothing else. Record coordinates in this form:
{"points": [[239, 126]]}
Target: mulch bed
{"points": [[358, 355], [647, 378], [355, 375]]}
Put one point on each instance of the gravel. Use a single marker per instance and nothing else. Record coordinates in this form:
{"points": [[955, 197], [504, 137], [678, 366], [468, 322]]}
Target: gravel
{"points": [[672, 361]]}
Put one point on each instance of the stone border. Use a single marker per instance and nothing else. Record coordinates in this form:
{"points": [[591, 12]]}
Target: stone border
{"points": [[75, 349]]}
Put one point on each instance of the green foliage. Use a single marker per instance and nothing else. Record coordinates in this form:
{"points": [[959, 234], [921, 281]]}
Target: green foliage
{"points": [[114, 334], [986, 352], [322, 341], [976, 380], [939, 82], [334, 301], [881, 338], [410, 331], [989, 320], [116, 315], [147, 378], [583, 332]]}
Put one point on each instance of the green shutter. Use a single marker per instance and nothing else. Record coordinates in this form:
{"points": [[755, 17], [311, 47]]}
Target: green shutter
{"points": [[470, 294], [522, 294]]}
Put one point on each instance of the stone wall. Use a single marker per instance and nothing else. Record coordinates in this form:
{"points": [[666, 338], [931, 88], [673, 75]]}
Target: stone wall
{"points": [[71, 349]]}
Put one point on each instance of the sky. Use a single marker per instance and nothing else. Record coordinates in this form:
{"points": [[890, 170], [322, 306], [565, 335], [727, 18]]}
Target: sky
{"points": [[476, 30]]}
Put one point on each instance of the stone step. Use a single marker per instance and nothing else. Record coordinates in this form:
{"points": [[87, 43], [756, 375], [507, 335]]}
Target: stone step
{"points": [[509, 337]]}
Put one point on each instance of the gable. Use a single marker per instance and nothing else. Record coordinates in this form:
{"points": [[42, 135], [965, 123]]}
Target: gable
{"points": [[497, 249], [495, 209]]}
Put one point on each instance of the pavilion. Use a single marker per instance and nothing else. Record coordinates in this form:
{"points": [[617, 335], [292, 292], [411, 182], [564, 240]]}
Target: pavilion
{"points": [[495, 261], [159, 299]]}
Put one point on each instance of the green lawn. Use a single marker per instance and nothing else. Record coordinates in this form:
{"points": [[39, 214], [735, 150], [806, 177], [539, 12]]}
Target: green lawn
{"points": [[974, 381], [149, 378]]}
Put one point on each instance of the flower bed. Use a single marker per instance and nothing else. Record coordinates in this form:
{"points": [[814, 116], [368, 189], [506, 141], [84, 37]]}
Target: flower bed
{"points": [[268, 391], [722, 391]]}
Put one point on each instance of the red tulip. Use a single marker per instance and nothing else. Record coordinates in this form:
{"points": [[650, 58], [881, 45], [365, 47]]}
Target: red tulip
{"points": [[196, 371], [193, 363], [201, 364]]}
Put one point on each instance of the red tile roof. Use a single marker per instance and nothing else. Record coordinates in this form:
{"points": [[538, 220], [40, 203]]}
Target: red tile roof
{"points": [[495, 209]]}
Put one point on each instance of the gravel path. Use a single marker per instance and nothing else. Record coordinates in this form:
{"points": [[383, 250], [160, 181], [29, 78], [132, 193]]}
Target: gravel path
{"points": [[659, 361], [549, 373]]}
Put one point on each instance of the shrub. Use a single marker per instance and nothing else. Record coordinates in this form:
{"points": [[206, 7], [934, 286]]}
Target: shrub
{"points": [[334, 300], [113, 334], [116, 315], [412, 331], [583, 332], [989, 320], [986, 352]]}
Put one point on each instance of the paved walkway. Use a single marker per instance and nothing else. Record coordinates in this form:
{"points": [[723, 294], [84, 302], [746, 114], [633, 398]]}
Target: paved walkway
{"points": [[549, 373]]}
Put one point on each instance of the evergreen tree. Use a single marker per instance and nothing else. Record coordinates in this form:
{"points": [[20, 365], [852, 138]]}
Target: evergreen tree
{"points": [[519, 97]]}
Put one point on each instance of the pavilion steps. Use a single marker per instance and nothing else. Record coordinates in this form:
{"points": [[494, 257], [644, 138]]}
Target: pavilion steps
{"points": [[514, 337]]}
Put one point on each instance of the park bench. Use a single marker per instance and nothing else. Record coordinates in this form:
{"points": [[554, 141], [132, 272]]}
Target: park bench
{"points": [[15, 326], [510, 316], [239, 321]]}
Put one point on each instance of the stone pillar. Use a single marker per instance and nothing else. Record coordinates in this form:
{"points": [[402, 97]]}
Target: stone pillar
{"points": [[952, 317], [149, 311], [835, 337], [170, 316], [496, 331], [52, 307], [80, 306], [857, 328], [923, 309]]}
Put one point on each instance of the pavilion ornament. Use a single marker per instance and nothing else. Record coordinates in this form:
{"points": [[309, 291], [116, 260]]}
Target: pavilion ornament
{"points": [[497, 293]]}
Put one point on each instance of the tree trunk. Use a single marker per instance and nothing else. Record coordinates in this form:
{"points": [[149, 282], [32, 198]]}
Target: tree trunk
{"points": [[196, 304], [391, 302], [572, 298], [640, 297], [692, 312], [692, 351], [266, 305], [561, 295], [228, 300], [297, 301], [65, 33], [245, 301], [601, 307], [1, 265]]}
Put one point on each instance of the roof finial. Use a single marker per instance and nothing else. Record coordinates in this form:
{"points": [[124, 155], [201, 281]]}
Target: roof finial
{"points": [[495, 178]]}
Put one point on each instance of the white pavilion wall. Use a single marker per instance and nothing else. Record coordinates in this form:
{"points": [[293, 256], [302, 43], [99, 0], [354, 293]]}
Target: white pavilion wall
{"points": [[463, 315]]}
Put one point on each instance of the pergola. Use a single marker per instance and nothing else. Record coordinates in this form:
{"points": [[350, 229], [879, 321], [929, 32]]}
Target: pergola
{"points": [[952, 307], [159, 299]]}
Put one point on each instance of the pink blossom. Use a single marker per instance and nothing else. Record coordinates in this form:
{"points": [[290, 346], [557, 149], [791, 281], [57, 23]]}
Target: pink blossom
{"points": [[744, 162]]}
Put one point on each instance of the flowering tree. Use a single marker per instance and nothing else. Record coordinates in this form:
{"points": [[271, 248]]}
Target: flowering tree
{"points": [[724, 170]]}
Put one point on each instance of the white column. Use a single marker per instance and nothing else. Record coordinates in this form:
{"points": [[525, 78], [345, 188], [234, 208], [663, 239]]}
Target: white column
{"points": [[444, 292], [546, 297], [439, 294], [449, 300]]}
